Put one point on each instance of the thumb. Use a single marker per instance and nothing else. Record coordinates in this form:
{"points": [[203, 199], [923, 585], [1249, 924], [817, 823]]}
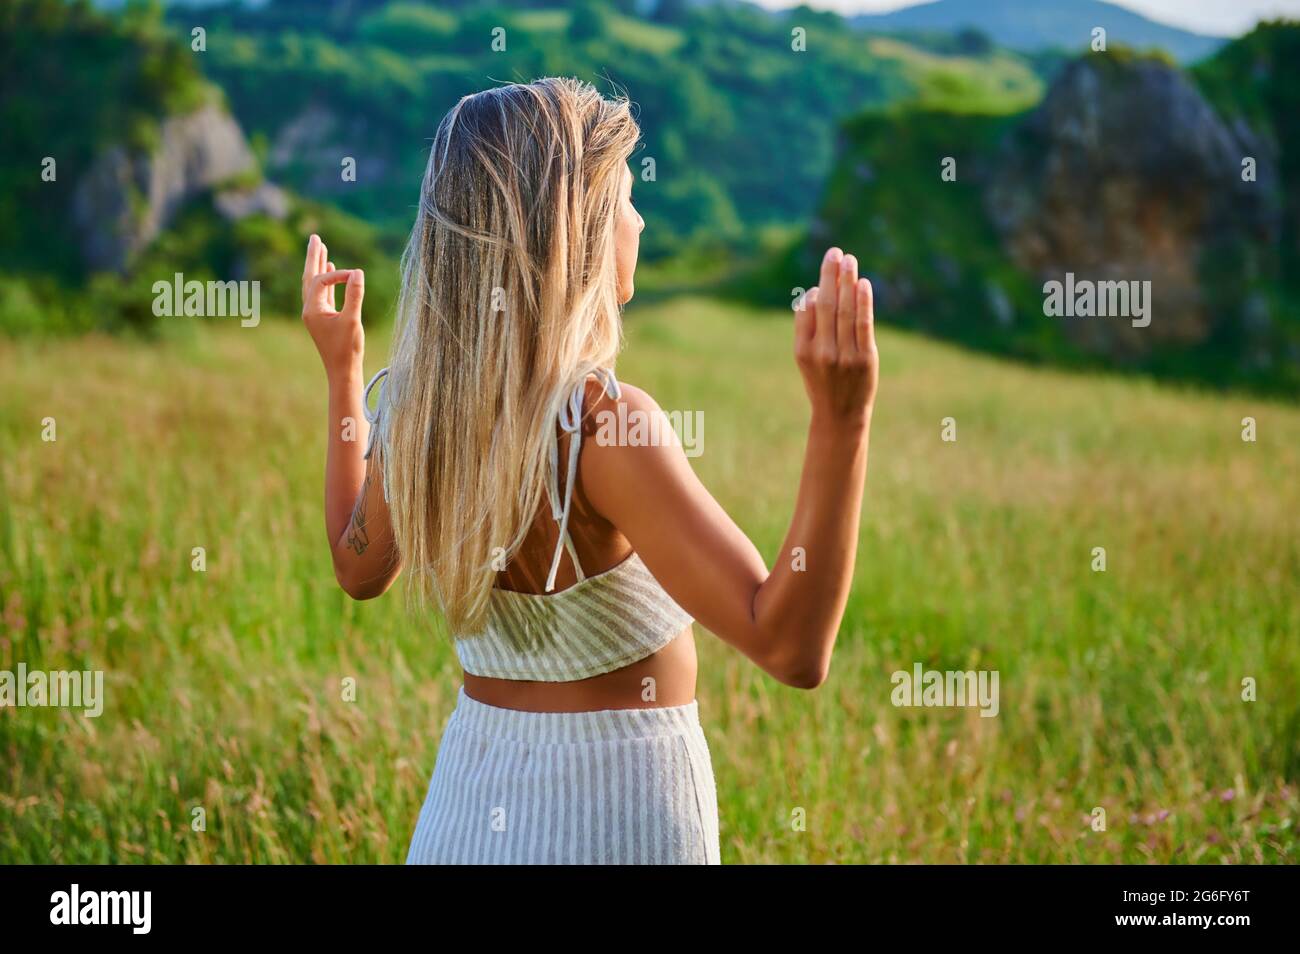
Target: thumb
{"points": [[354, 293]]}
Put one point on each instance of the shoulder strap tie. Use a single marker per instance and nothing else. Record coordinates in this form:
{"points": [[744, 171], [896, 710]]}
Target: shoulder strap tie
{"points": [[372, 416], [570, 419]]}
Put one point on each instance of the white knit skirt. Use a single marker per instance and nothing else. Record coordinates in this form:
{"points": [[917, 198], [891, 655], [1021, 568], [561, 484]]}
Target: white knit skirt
{"points": [[616, 786]]}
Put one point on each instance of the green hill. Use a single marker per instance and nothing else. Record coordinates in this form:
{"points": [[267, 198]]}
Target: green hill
{"points": [[1085, 183], [124, 168], [740, 125], [1254, 79], [280, 96]]}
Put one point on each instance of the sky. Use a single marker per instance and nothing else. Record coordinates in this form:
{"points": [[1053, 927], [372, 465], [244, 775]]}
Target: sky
{"points": [[1215, 17]]}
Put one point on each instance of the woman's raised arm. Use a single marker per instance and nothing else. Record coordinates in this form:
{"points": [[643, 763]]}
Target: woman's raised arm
{"points": [[357, 522], [785, 620]]}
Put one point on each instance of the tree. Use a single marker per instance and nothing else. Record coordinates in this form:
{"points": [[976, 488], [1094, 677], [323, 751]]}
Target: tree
{"points": [[671, 11], [590, 21]]}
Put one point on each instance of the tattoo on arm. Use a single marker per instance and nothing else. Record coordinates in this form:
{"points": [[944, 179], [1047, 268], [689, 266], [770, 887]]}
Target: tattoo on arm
{"points": [[358, 537]]}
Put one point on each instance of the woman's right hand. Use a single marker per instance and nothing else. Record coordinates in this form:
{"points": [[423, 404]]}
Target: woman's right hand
{"points": [[835, 343], [785, 619]]}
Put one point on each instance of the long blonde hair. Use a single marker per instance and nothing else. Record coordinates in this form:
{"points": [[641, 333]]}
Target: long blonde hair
{"points": [[509, 299]]}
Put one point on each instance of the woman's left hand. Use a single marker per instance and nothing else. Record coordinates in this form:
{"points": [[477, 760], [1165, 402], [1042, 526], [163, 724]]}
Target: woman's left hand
{"points": [[338, 334]]}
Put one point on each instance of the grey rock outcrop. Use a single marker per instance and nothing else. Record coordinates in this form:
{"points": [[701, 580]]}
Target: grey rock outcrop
{"points": [[1125, 172], [262, 199], [126, 199]]}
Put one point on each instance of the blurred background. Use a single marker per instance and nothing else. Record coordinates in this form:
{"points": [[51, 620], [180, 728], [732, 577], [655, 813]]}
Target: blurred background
{"points": [[968, 151]]}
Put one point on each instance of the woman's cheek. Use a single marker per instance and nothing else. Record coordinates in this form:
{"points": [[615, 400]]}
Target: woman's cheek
{"points": [[626, 270], [626, 256]]}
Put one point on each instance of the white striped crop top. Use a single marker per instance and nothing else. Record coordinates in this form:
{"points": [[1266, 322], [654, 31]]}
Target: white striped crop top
{"points": [[599, 624]]}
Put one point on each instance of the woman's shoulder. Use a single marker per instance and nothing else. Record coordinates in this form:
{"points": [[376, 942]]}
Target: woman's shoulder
{"points": [[625, 429], [631, 454], [607, 409], [605, 392]]}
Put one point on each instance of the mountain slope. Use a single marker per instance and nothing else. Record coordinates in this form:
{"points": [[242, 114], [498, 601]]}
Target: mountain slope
{"points": [[718, 91], [1087, 186], [1039, 24], [126, 167]]}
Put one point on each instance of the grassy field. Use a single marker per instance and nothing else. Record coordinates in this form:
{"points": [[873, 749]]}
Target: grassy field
{"points": [[1120, 690]]}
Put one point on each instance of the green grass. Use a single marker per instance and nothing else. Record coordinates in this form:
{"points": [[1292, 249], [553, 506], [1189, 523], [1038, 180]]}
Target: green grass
{"points": [[1119, 690]]}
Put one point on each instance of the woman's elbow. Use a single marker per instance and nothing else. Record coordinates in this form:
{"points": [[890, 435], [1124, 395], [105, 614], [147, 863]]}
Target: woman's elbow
{"points": [[798, 671], [806, 677], [357, 587]]}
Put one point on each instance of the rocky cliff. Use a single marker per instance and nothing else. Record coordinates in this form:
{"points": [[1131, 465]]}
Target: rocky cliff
{"points": [[1126, 173], [127, 197]]}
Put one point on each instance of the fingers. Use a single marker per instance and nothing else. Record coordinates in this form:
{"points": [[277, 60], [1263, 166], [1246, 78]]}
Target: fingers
{"points": [[336, 277], [827, 298], [309, 271], [846, 306], [355, 292], [325, 298], [318, 289], [315, 262], [865, 324], [805, 320], [838, 316]]}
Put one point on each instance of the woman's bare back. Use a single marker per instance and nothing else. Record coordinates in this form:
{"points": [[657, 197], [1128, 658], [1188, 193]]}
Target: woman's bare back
{"points": [[665, 678]]}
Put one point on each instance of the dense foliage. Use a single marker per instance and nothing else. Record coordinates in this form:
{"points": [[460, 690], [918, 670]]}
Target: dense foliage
{"points": [[740, 126], [942, 267], [1255, 79], [763, 131], [77, 83]]}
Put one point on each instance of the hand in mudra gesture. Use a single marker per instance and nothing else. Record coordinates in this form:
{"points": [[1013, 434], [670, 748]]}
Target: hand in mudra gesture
{"points": [[835, 342], [337, 334]]}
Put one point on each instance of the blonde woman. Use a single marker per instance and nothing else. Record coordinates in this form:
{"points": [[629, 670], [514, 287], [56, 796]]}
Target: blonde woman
{"points": [[568, 569]]}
